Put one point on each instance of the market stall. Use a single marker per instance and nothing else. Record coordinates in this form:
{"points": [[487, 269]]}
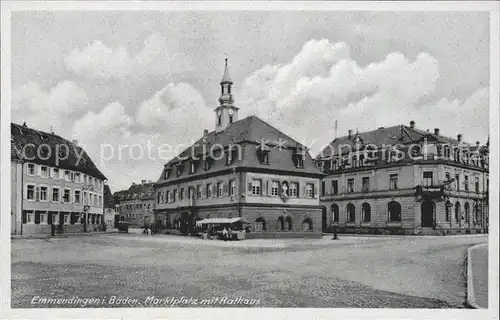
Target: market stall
{"points": [[213, 227]]}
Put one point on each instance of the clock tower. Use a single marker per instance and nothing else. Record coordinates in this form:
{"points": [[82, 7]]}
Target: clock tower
{"points": [[226, 113]]}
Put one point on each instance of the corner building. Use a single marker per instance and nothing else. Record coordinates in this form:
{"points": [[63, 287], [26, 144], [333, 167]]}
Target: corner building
{"points": [[244, 168], [53, 182], [402, 180]]}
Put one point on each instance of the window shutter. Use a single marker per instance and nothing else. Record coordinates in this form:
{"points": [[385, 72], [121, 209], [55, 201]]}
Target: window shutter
{"points": [[37, 194], [37, 217], [224, 188], [24, 217], [49, 217], [303, 189], [249, 187], [267, 191], [315, 190]]}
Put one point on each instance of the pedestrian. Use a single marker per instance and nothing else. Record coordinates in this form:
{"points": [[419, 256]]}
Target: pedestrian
{"points": [[230, 234], [224, 234], [153, 228]]}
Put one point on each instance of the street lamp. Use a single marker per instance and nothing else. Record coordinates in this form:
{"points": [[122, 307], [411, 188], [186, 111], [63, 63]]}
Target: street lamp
{"points": [[86, 209]]}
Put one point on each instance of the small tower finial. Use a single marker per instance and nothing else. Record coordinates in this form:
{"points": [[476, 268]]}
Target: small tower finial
{"points": [[226, 61]]}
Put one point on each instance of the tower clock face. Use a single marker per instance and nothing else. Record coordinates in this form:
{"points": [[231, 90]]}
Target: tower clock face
{"points": [[231, 111]]}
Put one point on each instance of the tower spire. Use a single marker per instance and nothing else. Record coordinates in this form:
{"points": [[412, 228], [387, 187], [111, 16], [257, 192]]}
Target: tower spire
{"points": [[226, 78]]}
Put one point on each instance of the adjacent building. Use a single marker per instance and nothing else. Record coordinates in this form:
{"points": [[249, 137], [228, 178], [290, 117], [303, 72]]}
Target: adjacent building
{"points": [[244, 168], [136, 204], [402, 180], [53, 182], [110, 210]]}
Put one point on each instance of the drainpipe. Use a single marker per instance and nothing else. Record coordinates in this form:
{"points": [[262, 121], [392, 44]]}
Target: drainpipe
{"points": [[22, 195]]}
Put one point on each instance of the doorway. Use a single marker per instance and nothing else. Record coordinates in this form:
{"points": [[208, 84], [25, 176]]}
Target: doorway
{"points": [[427, 214]]}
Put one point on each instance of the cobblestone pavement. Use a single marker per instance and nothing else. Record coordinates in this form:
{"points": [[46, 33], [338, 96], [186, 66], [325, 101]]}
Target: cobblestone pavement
{"points": [[479, 258], [378, 272]]}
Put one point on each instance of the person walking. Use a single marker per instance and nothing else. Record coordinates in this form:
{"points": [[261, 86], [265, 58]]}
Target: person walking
{"points": [[224, 234], [230, 234]]}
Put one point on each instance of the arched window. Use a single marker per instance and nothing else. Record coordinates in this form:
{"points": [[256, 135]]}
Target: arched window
{"points": [[477, 212], [394, 211], [260, 224], [354, 161], [351, 213], [281, 224], [288, 223], [335, 212], [448, 210], [457, 212], [366, 212], [467, 212], [307, 224]]}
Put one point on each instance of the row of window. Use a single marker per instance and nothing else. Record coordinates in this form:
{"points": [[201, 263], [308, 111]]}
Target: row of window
{"points": [[369, 157], [131, 206], [209, 190], [427, 180], [278, 188], [231, 157], [66, 195], [462, 215], [59, 174], [393, 212], [283, 224], [32, 217]]}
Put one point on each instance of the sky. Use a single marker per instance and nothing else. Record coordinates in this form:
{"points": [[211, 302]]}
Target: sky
{"points": [[119, 82]]}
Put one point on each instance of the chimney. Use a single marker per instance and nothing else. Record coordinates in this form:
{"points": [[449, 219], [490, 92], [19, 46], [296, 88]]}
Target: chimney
{"points": [[24, 124], [436, 131], [412, 124], [205, 133], [477, 144], [75, 142], [459, 137], [143, 181], [350, 133]]}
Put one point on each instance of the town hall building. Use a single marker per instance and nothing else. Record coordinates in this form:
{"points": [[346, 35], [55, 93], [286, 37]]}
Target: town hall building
{"points": [[244, 168]]}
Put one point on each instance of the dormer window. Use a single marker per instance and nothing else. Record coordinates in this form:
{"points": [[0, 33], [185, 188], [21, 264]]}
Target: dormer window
{"points": [[416, 151], [192, 166], [208, 163], [179, 168], [231, 156], [168, 172], [263, 154], [298, 157]]}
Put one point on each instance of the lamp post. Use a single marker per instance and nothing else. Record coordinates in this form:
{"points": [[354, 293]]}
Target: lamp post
{"points": [[86, 208]]}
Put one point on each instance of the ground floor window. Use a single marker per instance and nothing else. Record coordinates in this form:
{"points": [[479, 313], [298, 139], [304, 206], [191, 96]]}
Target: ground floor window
{"points": [[366, 212], [43, 218], [281, 224], [467, 212], [260, 224], [307, 224], [394, 211]]}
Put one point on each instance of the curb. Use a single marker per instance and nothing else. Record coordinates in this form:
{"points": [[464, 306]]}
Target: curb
{"points": [[471, 296], [59, 236]]}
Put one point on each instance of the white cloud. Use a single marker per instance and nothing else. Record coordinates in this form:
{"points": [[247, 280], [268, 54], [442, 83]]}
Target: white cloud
{"points": [[98, 60], [323, 84], [45, 109], [135, 147]]}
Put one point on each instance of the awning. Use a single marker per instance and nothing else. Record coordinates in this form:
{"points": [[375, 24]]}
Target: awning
{"points": [[221, 221]]}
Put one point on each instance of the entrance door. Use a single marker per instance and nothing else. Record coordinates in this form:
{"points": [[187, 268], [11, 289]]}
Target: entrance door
{"points": [[427, 216]]}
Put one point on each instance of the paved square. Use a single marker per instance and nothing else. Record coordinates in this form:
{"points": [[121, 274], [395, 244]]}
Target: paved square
{"points": [[374, 272]]}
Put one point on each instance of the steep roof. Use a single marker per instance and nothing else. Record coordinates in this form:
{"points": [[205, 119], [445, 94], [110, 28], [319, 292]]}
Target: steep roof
{"points": [[399, 134], [141, 191], [250, 133], [25, 142], [108, 197], [226, 77]]}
